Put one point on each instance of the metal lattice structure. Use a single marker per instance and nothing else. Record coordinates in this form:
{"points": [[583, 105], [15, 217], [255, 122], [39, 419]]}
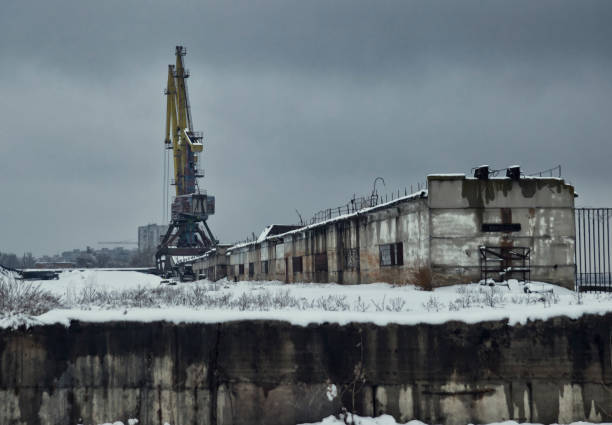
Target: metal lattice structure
{"points": [[188, 233], [503, 263]]}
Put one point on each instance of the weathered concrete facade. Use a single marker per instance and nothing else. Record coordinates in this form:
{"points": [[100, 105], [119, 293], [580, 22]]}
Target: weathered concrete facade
{"points": [[260, 372], [542, 208], [440, 229]]}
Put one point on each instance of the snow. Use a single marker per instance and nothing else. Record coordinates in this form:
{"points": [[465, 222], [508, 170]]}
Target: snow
{"points": [[389, 420], [74, 281], [361, 420], [100, 296], [130, 422], [380, 420], [263, 236], [331, 392]]}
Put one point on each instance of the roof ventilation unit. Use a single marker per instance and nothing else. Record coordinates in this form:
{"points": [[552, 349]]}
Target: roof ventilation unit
{"points": [[482, 172], [513, 172]]}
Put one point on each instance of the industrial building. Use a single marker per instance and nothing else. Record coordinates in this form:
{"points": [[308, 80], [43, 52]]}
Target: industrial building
{"points": [[460, 229], [149, 236]]}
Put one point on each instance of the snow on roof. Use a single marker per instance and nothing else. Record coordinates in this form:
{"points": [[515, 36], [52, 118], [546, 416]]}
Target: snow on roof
{"points": [[264, 234], [416, 195], [189, 259]]}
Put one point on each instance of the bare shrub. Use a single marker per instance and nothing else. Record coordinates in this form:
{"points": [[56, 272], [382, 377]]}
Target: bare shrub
{"points": [[578, 298], [549, 299], [198, 295], [22, 297], [283, 299], [360, 305], [396, 304], [88, 295], [433, 304], [492, 297], [332, 303], [243, 302], [467, 297], [453, 306], [422, 278], [379, 306]]}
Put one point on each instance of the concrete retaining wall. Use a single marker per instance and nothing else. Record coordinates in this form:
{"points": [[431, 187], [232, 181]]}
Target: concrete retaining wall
{"points": [[262, 372]]}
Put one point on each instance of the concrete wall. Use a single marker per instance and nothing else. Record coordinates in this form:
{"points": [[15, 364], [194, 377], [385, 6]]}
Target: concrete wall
{"points": [[544, 209], [260, 372], [441, 231], [404, 221], [214, 266]]}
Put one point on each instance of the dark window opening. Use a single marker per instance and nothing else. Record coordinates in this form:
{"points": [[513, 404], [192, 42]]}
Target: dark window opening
{"points": [[321, 262], [297, 264], [501, 227], [264, 266], [241, 269], [391, 254], [251, 269]]}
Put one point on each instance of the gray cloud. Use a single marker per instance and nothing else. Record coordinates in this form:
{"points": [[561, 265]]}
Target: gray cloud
{"points": [[302, 103]]}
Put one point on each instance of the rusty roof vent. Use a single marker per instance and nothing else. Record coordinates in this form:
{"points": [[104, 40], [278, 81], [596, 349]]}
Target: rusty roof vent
{"points": [[513, 172], [482, 172]]}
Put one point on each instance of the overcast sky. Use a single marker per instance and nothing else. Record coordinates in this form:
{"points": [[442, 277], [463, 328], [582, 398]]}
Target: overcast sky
{"points": [[303, 104]]}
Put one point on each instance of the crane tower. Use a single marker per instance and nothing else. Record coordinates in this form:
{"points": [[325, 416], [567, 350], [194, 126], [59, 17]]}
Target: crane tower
{"points": [[188, 233]]}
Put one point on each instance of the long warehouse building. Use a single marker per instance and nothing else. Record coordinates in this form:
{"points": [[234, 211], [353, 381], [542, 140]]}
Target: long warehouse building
{"points": [[461, 229]]}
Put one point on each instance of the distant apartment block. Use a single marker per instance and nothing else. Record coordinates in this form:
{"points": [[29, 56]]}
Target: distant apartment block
{"points": [[149, 236]]}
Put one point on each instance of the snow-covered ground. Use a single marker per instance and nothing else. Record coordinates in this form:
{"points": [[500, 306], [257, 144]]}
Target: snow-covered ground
{"points": [[388, 420], [380, 420], [73, 282], [97, 295]]}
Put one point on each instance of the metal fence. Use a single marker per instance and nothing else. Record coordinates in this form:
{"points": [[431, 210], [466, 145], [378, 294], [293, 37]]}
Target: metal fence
{"points": [[592, 252], [359, 203]]}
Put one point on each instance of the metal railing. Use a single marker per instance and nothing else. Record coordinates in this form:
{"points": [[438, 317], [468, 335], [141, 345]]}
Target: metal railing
{"points": [[362, 202], [551, 172], [592, 250]]}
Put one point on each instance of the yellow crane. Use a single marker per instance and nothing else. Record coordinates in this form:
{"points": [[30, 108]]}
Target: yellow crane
{"points": [[190, 207], [180, 137]]}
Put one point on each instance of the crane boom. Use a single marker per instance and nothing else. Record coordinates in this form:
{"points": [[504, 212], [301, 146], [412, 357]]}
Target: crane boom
{"points": [[190, 207]]}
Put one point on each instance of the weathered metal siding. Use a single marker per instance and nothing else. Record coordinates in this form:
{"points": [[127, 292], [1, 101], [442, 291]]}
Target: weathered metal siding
{"points": [[544, 209]]}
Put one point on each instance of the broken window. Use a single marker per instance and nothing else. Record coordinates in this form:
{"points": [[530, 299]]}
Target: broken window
{"points": [[264, 266], [297, 264], [251, 269], [241, 269], [391, 254]]}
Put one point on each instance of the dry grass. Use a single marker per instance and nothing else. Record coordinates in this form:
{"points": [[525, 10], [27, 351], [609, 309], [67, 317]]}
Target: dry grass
{"points": [[22, 297], [422, 278]]}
